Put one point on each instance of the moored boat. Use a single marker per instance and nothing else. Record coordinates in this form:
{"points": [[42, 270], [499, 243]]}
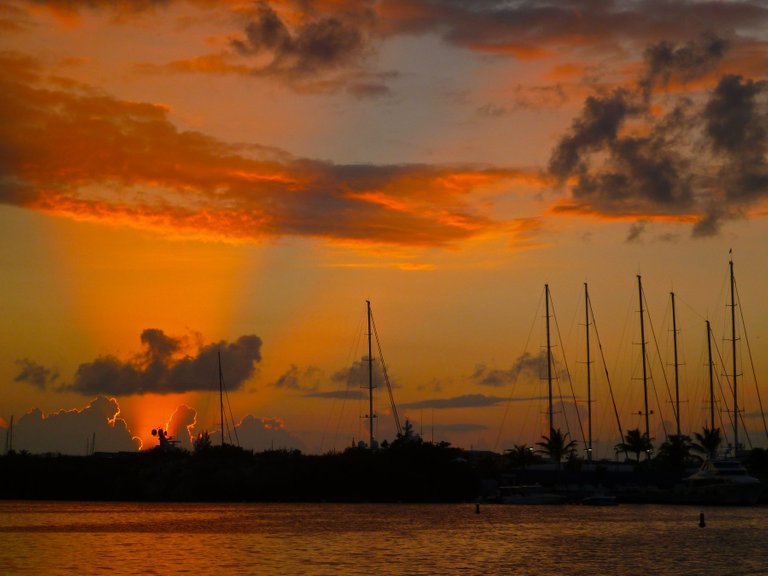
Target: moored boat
{"points": [[600, 500], [529, 494], [722, 482]]}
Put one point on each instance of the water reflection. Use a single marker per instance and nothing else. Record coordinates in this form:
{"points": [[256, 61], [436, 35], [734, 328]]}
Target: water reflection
{"points": [[129, 538]]}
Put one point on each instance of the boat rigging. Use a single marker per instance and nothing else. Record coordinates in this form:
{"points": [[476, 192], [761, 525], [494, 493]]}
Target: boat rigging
{"points": [[373, 332]]}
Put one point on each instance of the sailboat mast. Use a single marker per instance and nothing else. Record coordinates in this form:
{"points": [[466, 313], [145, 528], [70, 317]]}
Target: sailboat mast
{"points": [[677, 377], [9, 438], [221, 399], [645, 368], [549, 361], [589, 375], [733, 343], [370, 378], [711, 380]]}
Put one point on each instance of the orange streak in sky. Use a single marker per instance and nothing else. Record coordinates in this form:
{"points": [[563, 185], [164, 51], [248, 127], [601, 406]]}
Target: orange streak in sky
{"points": [[516, 49], [570, 208]]}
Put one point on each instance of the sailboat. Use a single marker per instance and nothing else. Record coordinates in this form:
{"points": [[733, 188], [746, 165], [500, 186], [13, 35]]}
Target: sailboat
{"points": [[724, 481], [372, 332], [536, 493]]}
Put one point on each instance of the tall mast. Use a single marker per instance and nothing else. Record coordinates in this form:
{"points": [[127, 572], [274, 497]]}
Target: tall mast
{"points": [[370, 378], [677, 378], [221, 399], [549, 361], [589, 375], [645, 369], [711, 380], [733, 343], [9, 438]]}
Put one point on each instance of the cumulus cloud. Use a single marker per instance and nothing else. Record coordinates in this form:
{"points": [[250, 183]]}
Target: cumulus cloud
{"points": [[165, 368], [356, 375], [526, 363], [72, 151], [36, 374], [295, 378], [261, 434], [71, 431], [180, 426]]}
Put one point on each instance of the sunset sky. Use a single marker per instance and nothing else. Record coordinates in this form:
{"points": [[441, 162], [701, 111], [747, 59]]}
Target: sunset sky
{"points": [[183, 177]]}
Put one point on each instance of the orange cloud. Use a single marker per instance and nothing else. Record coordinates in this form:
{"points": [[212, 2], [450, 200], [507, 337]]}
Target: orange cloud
{"points": [[218, 63], [568, 207], [73, 151], [519, 50]]}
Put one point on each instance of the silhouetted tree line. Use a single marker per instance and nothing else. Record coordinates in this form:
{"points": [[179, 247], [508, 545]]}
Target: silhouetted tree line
{"points": [[404, 472]]}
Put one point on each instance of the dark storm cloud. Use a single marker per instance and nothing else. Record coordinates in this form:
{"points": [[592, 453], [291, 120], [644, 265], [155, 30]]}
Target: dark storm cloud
{"points": [[620, 171], [533, 29], [319, 43], [646, 153], [666, 61], [70, 431], [162, 369], [596, 127], [34, 373], [736, 119]]}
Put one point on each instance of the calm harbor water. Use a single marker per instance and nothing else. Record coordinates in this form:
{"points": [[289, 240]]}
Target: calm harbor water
{"points": [[137, 538]]}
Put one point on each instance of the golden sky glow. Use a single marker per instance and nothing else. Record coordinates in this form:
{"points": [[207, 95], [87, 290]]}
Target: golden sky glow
{"points": [[188, 176]]}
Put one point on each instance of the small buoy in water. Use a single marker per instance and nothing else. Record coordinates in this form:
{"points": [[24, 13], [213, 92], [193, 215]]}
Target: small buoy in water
{"points": [[477, 508], [702, 524]]}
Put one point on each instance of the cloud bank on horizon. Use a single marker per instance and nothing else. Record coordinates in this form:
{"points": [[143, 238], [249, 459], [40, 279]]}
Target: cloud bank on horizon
{"points": [[98, 427]]}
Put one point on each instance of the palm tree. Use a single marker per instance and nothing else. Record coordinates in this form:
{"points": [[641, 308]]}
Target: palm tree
{"points": [[521, 456], [635, 442], [556, 445], [203, 442], [676, 450], [708, 441]]}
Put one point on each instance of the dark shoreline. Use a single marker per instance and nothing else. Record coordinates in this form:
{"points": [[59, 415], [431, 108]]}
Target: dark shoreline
{"points": [[428, 473]]}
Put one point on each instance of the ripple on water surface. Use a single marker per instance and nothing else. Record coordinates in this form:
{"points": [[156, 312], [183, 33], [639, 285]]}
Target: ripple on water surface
{"points": [[318, 539]]}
